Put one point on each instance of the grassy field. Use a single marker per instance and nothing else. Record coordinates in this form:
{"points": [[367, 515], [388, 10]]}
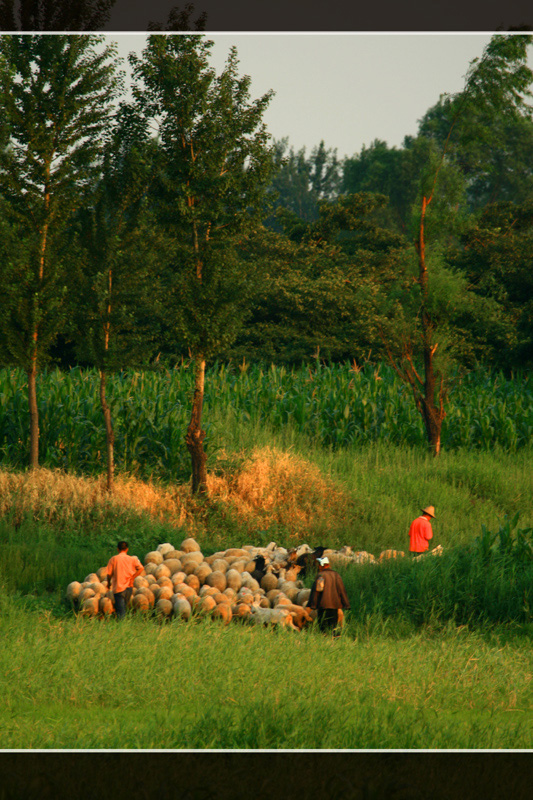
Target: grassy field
{"points": [[434, 655], [92, 685]]}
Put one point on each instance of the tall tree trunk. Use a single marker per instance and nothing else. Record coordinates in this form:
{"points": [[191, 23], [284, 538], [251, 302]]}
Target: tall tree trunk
{"points": [[195, 435], [34, 415], [431, 413], [110, 436], [32, 372]]}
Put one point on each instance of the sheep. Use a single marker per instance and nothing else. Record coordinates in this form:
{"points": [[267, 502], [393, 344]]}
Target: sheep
{"points": [[233, 579], [292, 573], [217, 579], [178, 577], [190, 546], [437, 551], [73, 591], [181, 607], [206, 589], [223, 612], [220, 565], [173, 554], [233, 583], [193, 581], [105, 606], [89, 607], [239, 566], [387, 554], [164, 548], [163, 607], [153, 557], [272, 616], [207, 604], [202, 571], [140, 603], [189, 567], [173, 564], [162, 571], [269, 581], [301, 616]]}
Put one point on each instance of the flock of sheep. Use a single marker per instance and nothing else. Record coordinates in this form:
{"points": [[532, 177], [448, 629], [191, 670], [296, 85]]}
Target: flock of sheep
{"points": [[180, 583]]}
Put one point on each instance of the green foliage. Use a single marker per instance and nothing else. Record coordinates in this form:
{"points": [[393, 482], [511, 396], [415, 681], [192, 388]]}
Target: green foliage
{"points": [[470, 329], [40, 557], [508, 542], [474, 585], [336, 406], [318, 286], [55, 99], [122, 254], [301, 182], [492, 142], [214, 171], [495, 255], [487, 133], [403, 175]]}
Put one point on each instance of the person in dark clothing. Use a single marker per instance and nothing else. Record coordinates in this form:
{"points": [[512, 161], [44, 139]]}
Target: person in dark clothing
{"points": [[328, 596], [260, 570]]}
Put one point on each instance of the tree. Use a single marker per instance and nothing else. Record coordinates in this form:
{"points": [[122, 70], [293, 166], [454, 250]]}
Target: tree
{"points": [[215, 172], [389, 171], [496, 257], [56, 95], [122, 250], [493, 150], [300, 182], [317, 291], [496, 84]]}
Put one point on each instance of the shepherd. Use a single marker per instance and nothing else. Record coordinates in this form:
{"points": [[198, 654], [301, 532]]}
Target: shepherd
{"points": [[421, 532], [122, 570], [329, 597]]}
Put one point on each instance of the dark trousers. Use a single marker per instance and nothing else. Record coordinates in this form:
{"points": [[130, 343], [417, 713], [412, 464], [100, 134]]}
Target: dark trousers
{"points": [[121, 601], [327, 618]]}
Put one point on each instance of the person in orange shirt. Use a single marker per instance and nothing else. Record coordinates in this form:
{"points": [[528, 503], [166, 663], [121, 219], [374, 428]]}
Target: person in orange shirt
{"points": [[420, 532], [122, 570]]}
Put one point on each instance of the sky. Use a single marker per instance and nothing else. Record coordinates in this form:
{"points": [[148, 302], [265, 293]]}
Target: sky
{"points": [[345, 89]]}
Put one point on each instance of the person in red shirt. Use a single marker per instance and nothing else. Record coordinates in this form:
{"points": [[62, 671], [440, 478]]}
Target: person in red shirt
{"points": [[122, 570], [420, 532]]}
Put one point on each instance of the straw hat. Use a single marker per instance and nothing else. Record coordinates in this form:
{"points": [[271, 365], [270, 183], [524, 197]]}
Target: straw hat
{"points": [[429, 510]]}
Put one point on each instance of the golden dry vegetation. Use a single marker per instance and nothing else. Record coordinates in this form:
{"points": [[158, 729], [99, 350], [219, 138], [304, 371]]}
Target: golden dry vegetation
{"points": [[268, 487]]}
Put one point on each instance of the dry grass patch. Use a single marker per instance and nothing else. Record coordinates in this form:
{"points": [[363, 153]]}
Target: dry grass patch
{"points": [[54, 495], [279, 487], [270, 487]]}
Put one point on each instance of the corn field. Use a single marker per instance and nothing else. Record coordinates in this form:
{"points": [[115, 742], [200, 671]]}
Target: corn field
{"points": [[336, 406]]}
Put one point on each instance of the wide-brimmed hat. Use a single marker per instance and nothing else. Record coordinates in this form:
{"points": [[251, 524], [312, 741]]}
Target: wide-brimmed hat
{"points": [[429, 510]]}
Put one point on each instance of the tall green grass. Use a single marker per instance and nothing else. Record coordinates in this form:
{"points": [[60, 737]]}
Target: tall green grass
{"points": [[459, 587], [333, 406], [77, 683], [478, 585], [38, 559]]}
